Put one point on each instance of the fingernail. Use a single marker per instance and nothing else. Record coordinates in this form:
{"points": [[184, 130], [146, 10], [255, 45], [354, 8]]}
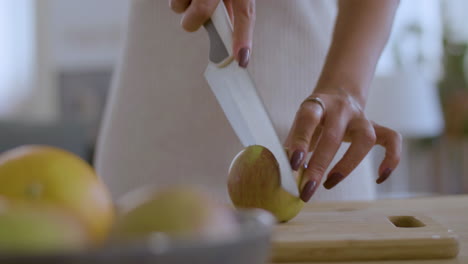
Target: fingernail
{"points": [[244, 57], [308, 190], [296, 159], [385, 174], [333, 180]]}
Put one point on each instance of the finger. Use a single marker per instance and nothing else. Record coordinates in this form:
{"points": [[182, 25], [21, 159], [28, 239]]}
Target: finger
{"points": [[330, 141], [198, 13], [244, 20], [363, 139], [228, 5], [392, 142], [179, 6], [307, 119], [315, 138]]}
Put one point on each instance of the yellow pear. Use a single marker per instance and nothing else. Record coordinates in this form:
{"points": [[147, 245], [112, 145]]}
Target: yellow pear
{"points": [[39, 229], [254, 182], [182, 212], [48, 175]]}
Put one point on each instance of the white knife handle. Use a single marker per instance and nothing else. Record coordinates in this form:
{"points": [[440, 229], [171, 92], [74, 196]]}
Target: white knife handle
{"points": [[220, 35], [223, 25]]}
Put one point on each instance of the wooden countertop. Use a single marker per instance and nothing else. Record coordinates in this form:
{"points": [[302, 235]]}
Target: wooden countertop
{"points": [[450, 211]]}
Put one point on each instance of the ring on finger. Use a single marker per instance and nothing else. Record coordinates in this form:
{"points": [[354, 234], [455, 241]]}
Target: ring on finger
{"points": [[316, 100]]}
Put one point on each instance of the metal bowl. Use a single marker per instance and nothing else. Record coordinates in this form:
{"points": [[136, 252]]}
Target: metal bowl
{"points": [[251, 246]]}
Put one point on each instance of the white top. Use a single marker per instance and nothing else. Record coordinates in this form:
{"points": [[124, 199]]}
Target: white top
{"points": [[163, 125]]}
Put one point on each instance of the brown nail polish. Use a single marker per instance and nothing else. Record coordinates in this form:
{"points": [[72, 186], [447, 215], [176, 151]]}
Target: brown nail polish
{"points": [[333, 180], [244, 57], [384, 176], [308, 190], [296, 159]]}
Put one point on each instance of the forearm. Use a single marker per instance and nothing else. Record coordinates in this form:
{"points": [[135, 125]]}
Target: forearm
{"points": [[361, 32]]}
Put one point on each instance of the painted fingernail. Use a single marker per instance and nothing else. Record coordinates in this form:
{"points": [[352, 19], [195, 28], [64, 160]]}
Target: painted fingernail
{"points": [[244, 57], [333, 180], [308, 190], [384, 176], [296, 159]]}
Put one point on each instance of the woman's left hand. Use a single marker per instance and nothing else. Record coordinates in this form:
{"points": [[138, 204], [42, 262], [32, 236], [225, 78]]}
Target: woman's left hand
{"points": [[321, 130]]}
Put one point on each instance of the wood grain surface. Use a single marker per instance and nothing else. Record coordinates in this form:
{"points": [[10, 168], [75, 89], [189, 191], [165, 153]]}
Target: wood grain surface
{"points": [[430, 228]]}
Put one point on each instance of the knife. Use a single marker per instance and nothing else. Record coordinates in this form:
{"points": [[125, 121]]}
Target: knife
{"points": [[238, 97]]}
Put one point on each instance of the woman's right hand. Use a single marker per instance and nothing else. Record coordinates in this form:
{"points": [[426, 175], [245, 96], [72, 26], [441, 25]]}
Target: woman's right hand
{"points": [[241, 12]]}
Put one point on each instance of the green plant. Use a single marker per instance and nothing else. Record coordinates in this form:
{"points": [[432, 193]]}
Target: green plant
{"points": [[453, 86]]}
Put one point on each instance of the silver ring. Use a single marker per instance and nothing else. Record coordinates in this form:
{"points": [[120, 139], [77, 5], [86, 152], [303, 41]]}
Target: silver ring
{"points": [[317, 101]]}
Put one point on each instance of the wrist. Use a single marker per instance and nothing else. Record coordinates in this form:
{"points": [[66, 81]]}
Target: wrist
{"points": [[345, 86]]}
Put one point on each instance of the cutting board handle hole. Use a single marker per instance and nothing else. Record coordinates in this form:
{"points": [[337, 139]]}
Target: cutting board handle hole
{"points": [[406, 221]]}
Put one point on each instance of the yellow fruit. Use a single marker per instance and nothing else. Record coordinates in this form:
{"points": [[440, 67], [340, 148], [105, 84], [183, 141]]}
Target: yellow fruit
{"points": [[254, 182], [39, 229], [42, 174], [182, 212]]}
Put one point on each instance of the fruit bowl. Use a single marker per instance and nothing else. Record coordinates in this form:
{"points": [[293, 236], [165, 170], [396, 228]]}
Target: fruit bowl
{"points": [[250, 246]]}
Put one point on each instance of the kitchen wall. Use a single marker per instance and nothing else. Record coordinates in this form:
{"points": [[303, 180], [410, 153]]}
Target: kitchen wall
{"points": [[80, 42], [57, 62], [41, 40], [85, 34]]}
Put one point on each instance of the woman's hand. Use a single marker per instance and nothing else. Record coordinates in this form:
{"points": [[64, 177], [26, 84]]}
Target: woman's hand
{"points": [[360, 34], [242, 13], [322, 130]]}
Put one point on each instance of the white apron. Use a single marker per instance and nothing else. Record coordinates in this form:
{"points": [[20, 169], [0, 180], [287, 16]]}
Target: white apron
{"points": [[164, 126]]}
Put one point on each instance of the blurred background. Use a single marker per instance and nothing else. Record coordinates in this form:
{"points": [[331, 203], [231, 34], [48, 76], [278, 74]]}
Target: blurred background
{"points": [[57, 59]]}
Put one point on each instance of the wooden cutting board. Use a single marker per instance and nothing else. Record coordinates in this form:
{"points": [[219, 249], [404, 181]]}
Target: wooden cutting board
{"points": [[361, 232]]}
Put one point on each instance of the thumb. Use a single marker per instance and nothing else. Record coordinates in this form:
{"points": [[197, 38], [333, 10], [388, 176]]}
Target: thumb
{"points": [[244, 20], [228, 5]]}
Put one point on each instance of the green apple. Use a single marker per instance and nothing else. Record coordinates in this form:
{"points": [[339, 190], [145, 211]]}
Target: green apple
{"points": [[39, 229], [254, 182], [182, 212]]}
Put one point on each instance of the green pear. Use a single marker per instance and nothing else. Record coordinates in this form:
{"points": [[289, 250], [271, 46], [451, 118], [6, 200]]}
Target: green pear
{"points": [[254, 182], [38, 229], [182, 212]]}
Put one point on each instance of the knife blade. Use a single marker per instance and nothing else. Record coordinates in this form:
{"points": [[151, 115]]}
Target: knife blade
{"points": [[236, 93]]}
